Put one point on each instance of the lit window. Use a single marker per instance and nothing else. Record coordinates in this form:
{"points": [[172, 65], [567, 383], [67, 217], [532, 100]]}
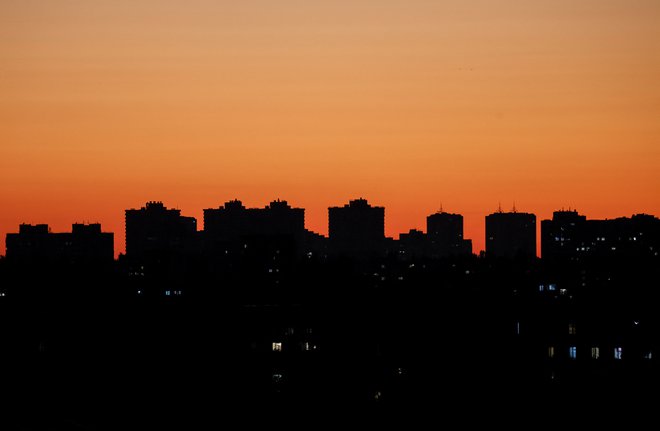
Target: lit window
{"points": [[572, 352], [648, 355], [551, 352], [517, 328], [541, 287], [618, 353], [571, 329], [277, 378], [277, 347], [552, 287], [595, 352]]}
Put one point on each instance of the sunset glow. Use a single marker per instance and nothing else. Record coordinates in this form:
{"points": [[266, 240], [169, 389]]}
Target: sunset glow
{"points": [[413, 105]]}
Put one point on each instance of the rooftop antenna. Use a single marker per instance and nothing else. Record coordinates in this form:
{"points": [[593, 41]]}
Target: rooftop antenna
{"points": [[499, 207], [441, 207], [514, 206]]}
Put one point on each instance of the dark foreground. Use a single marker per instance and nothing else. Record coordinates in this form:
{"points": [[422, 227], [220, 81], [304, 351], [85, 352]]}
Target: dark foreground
{"points": [[467, 342]]}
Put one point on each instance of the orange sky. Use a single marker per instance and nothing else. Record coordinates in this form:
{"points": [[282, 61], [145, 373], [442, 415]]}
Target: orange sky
{"points": [[411, 104]]}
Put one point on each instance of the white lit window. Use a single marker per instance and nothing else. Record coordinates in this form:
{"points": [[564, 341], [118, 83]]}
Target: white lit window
{"points": [[552, 287], [571, 329], [277, 347], [551, 352], [517, 328], [541, 287], [595, 352], [648, 355], [618, 353], [572, 352]]}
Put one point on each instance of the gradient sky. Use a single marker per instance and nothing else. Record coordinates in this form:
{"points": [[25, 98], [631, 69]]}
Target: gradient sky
{"points": [[411, 104]]}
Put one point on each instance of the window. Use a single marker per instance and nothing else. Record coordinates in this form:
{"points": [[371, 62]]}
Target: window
{"points": [[277, 347], [571, 329], [551, 352], [517, 328], [572, 352], [618, 353], [648, 355], [595, 353]]}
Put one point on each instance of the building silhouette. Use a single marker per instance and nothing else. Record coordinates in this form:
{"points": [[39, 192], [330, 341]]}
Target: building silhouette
{"points": [[233, 221], [275, 233], [85, 244], [572, 237], [445, 233], [511, 234], [357, 228], [154, 231], [413, 245]]}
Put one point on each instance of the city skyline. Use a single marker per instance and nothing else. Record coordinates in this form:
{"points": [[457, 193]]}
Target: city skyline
{"points": [[417, 105], [277, 210], [239, 220]]}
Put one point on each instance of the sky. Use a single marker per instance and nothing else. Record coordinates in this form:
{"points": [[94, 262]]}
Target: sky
{"points": [[412, 104]]}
